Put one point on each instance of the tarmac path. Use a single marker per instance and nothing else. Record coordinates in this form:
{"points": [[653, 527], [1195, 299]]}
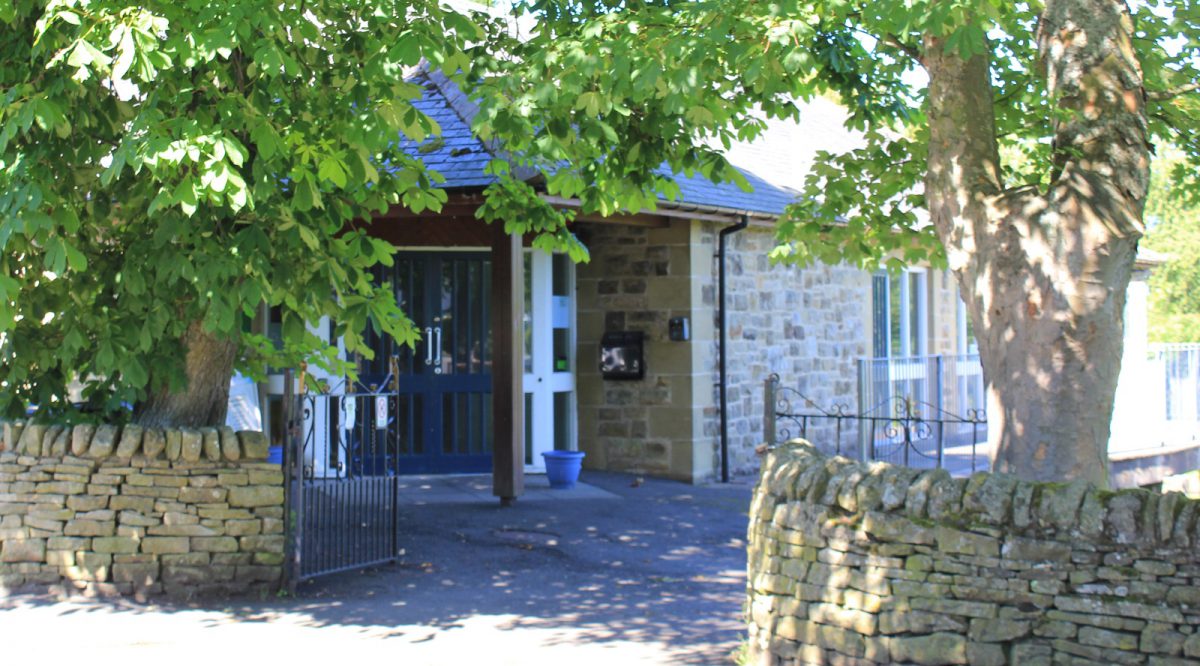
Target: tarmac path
{"points": [[620, 572]]}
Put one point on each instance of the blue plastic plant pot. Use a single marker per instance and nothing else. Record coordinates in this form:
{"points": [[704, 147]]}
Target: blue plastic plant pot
{"points": [[275, 455], [562, 468]]}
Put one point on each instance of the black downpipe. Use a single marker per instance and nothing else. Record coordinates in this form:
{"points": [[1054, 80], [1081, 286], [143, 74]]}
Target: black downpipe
{"points": [[723, 341]]}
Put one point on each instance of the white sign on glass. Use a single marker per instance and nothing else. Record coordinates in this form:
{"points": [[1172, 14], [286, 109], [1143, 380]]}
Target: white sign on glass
{"points": [[381, 415], [561, 311]]}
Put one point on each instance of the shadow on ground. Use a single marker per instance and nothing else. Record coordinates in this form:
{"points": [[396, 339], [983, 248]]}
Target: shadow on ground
{"points": [[657, 572]]}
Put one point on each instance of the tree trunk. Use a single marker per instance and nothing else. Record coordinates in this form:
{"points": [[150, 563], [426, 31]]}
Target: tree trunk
{"points": [[205, 399], [1044, 274]]}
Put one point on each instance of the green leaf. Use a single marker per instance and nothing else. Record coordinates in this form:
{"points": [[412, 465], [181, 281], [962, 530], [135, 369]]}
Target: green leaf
{"points": [[7, 12], [307, 197], [265, 140], [125, 52], [235, 151], [161, 200], [309, 238], [185, 196], [219, 178], [105, 357], [700, 115], [135, 372], [75, 259], [293, 329], [239, 198], [85, 54], [588, 102], [332, 169], [48, 115], [56, 258]]}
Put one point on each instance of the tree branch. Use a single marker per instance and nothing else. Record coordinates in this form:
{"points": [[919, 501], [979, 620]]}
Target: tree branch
{"points": [[1162, 95], [893, 41], [1024, 81], [1099, 127], [907, 49]]}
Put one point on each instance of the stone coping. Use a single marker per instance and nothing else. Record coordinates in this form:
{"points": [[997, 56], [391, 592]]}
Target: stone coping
{"points": [[99, 442], [797, 471]]}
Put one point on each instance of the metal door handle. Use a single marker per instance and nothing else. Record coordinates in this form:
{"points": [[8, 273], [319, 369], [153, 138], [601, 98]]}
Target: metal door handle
{"points": [[428, 345], [437, 333]]}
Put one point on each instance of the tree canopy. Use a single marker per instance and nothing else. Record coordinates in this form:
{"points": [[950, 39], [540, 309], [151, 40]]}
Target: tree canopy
{"points": [[172, 165], [614, 88], [1071, 92], [168, 163]]}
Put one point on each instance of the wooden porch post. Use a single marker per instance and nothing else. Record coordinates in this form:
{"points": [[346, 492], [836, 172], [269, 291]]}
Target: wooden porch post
{"points": [[508, 365]]}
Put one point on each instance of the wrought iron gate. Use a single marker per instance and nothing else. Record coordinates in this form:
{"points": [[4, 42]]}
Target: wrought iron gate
{"points": [[343, 492]]}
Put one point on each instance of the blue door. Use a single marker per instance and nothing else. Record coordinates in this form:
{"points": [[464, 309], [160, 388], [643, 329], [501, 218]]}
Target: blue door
{"points": [[443, 411]]}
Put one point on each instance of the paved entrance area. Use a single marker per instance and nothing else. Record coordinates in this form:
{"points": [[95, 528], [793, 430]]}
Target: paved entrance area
{"points": [[477, 489], [618, 571]]}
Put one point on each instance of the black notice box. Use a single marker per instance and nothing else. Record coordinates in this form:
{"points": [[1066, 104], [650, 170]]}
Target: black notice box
{"points": [[621, 355]]}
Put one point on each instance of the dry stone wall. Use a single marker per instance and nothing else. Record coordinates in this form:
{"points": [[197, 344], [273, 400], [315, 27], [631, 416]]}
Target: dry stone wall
{"points": [[854, 563], [109, 510]]}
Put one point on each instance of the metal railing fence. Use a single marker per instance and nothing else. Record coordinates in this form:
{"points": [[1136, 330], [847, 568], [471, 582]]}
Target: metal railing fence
{"points": [[900, 429], [1178, 365]]}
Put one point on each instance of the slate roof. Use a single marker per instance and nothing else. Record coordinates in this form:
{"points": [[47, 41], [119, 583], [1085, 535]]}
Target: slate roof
{"points": [[457, 153], [459, 156]]}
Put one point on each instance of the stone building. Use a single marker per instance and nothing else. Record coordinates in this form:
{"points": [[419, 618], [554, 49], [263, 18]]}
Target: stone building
{"points": [[805, 324], [652, 273]]}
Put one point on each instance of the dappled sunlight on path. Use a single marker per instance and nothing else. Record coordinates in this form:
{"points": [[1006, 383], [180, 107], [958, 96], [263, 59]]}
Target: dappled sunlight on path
{"points": [[149, 635], [653, 575]]}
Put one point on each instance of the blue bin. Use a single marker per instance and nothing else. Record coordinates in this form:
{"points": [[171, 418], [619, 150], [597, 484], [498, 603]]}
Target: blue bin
{"points": [[562, 468], [275, 455]]}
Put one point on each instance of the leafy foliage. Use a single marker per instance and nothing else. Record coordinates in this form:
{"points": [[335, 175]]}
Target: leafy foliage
{"points": [[164, 163], [1174, 231], [604, 92]]}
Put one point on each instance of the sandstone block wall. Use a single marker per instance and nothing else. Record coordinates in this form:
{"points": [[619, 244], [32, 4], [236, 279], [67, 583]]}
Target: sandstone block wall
{"points": [[854, 563], [107, 510], [809, 325], [638, 279], [943, 313]]}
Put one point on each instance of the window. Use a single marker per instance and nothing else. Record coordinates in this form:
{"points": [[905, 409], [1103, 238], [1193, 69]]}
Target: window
{"points": [[899, 312], [967, 344]]}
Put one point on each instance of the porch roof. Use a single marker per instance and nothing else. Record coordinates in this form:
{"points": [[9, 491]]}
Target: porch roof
{"points": [[461, 157]]}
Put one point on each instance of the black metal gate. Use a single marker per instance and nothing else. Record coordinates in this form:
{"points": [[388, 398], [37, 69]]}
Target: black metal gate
{"points": [[343, 492]]}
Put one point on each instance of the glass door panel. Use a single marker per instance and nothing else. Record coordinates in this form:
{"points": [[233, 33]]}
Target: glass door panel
{"points": [[562, 312], [459, 340], [527, 313], [444, 408], [549, 362]]}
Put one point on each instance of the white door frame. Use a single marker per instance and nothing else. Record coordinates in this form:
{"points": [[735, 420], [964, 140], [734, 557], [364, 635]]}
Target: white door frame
{"points": [[543, 382]]}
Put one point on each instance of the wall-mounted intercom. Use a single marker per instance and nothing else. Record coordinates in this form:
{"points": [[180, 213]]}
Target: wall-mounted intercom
{"points": [[677, 329]]}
